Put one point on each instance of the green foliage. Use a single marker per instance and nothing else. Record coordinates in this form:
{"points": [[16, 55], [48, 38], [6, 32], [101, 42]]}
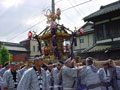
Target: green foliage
{"points": [[4, 55]]}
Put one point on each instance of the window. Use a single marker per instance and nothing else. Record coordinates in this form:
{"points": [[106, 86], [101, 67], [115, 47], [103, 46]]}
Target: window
{"points": [[81, 40], [38, 48], [99, 32], [33, 48], [115, 29], [104, 31]]}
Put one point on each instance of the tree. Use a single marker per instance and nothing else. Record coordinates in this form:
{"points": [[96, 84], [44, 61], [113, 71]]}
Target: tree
{"points": [[4, 55]]}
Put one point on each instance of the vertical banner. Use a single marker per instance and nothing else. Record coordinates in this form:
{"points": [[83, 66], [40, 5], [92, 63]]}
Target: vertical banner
{"points": [[10, 58]]}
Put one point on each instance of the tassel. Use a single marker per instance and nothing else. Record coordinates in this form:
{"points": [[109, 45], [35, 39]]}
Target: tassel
{"points": [[39, 43], [54, 43], [74, 38]]}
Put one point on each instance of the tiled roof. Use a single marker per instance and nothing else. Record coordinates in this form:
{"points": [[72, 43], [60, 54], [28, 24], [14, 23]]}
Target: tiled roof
{"points": [[100, 48], [103, 47], [104, 10], [11, 44], [15, 48]]}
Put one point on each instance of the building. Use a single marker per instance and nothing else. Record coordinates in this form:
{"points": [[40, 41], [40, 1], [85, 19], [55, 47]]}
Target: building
{"points": [[18, 51], [22, 51], [32, 46], [107, 32], [86, 40]]}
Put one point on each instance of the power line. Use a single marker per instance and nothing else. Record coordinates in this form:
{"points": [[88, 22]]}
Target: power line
{"points": [[74, 8], [69, 18], [13, 29], [34, 24], [27, 29], [58, 1], [76, 5], [83, 13], [45, 18]]}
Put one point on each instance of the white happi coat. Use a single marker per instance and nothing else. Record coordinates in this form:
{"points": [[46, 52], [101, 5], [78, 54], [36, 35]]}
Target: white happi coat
{"points": [[2, 83], [29, 80], [56, 79], [105, 77], [89, 77], [2, 71], [118, 76], [69, 76], [8, 79], [49, 79], [21, 71]]}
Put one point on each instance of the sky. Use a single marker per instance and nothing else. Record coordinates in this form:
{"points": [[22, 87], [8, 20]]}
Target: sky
{"points": [[18, 17]]}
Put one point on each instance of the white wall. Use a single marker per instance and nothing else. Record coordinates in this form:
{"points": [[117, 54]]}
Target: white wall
{"points": [[34, 43], [88, 42]]}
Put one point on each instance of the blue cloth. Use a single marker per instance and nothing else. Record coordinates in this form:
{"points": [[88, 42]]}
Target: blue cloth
{"points": [[54, 43], [82, 87], [79, 85], [74, 42], [74, 39], [57, 54], [54, 30], [39, 43]]}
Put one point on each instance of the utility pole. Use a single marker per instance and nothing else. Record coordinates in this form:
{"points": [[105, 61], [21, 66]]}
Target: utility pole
{"points": [[53, 6]]}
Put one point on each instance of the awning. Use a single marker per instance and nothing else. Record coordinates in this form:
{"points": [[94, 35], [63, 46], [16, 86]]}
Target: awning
{"points": [[97, 48], [100, 48]]}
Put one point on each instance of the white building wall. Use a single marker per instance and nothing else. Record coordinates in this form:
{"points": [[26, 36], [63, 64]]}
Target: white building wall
{"points": [[34, 43], [87, 27], [87, 42], [91, 40]]}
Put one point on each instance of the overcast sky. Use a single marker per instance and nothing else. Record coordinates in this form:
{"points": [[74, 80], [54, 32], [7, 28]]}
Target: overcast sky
{"points": [[17, 16]]}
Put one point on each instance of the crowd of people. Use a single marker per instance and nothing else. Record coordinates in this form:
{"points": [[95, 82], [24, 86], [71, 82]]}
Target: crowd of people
{"points": [[65, 75]]}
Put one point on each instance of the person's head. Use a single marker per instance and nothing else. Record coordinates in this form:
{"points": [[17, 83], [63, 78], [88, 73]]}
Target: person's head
{"points": [[6, 65], [50, 66], [83, 62], [18, 66], [59, 64], [38, 60], [89, 61], [69, 62], [111, 63], [14, 66], [29, 65], [105, 65], [44, 66]]}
